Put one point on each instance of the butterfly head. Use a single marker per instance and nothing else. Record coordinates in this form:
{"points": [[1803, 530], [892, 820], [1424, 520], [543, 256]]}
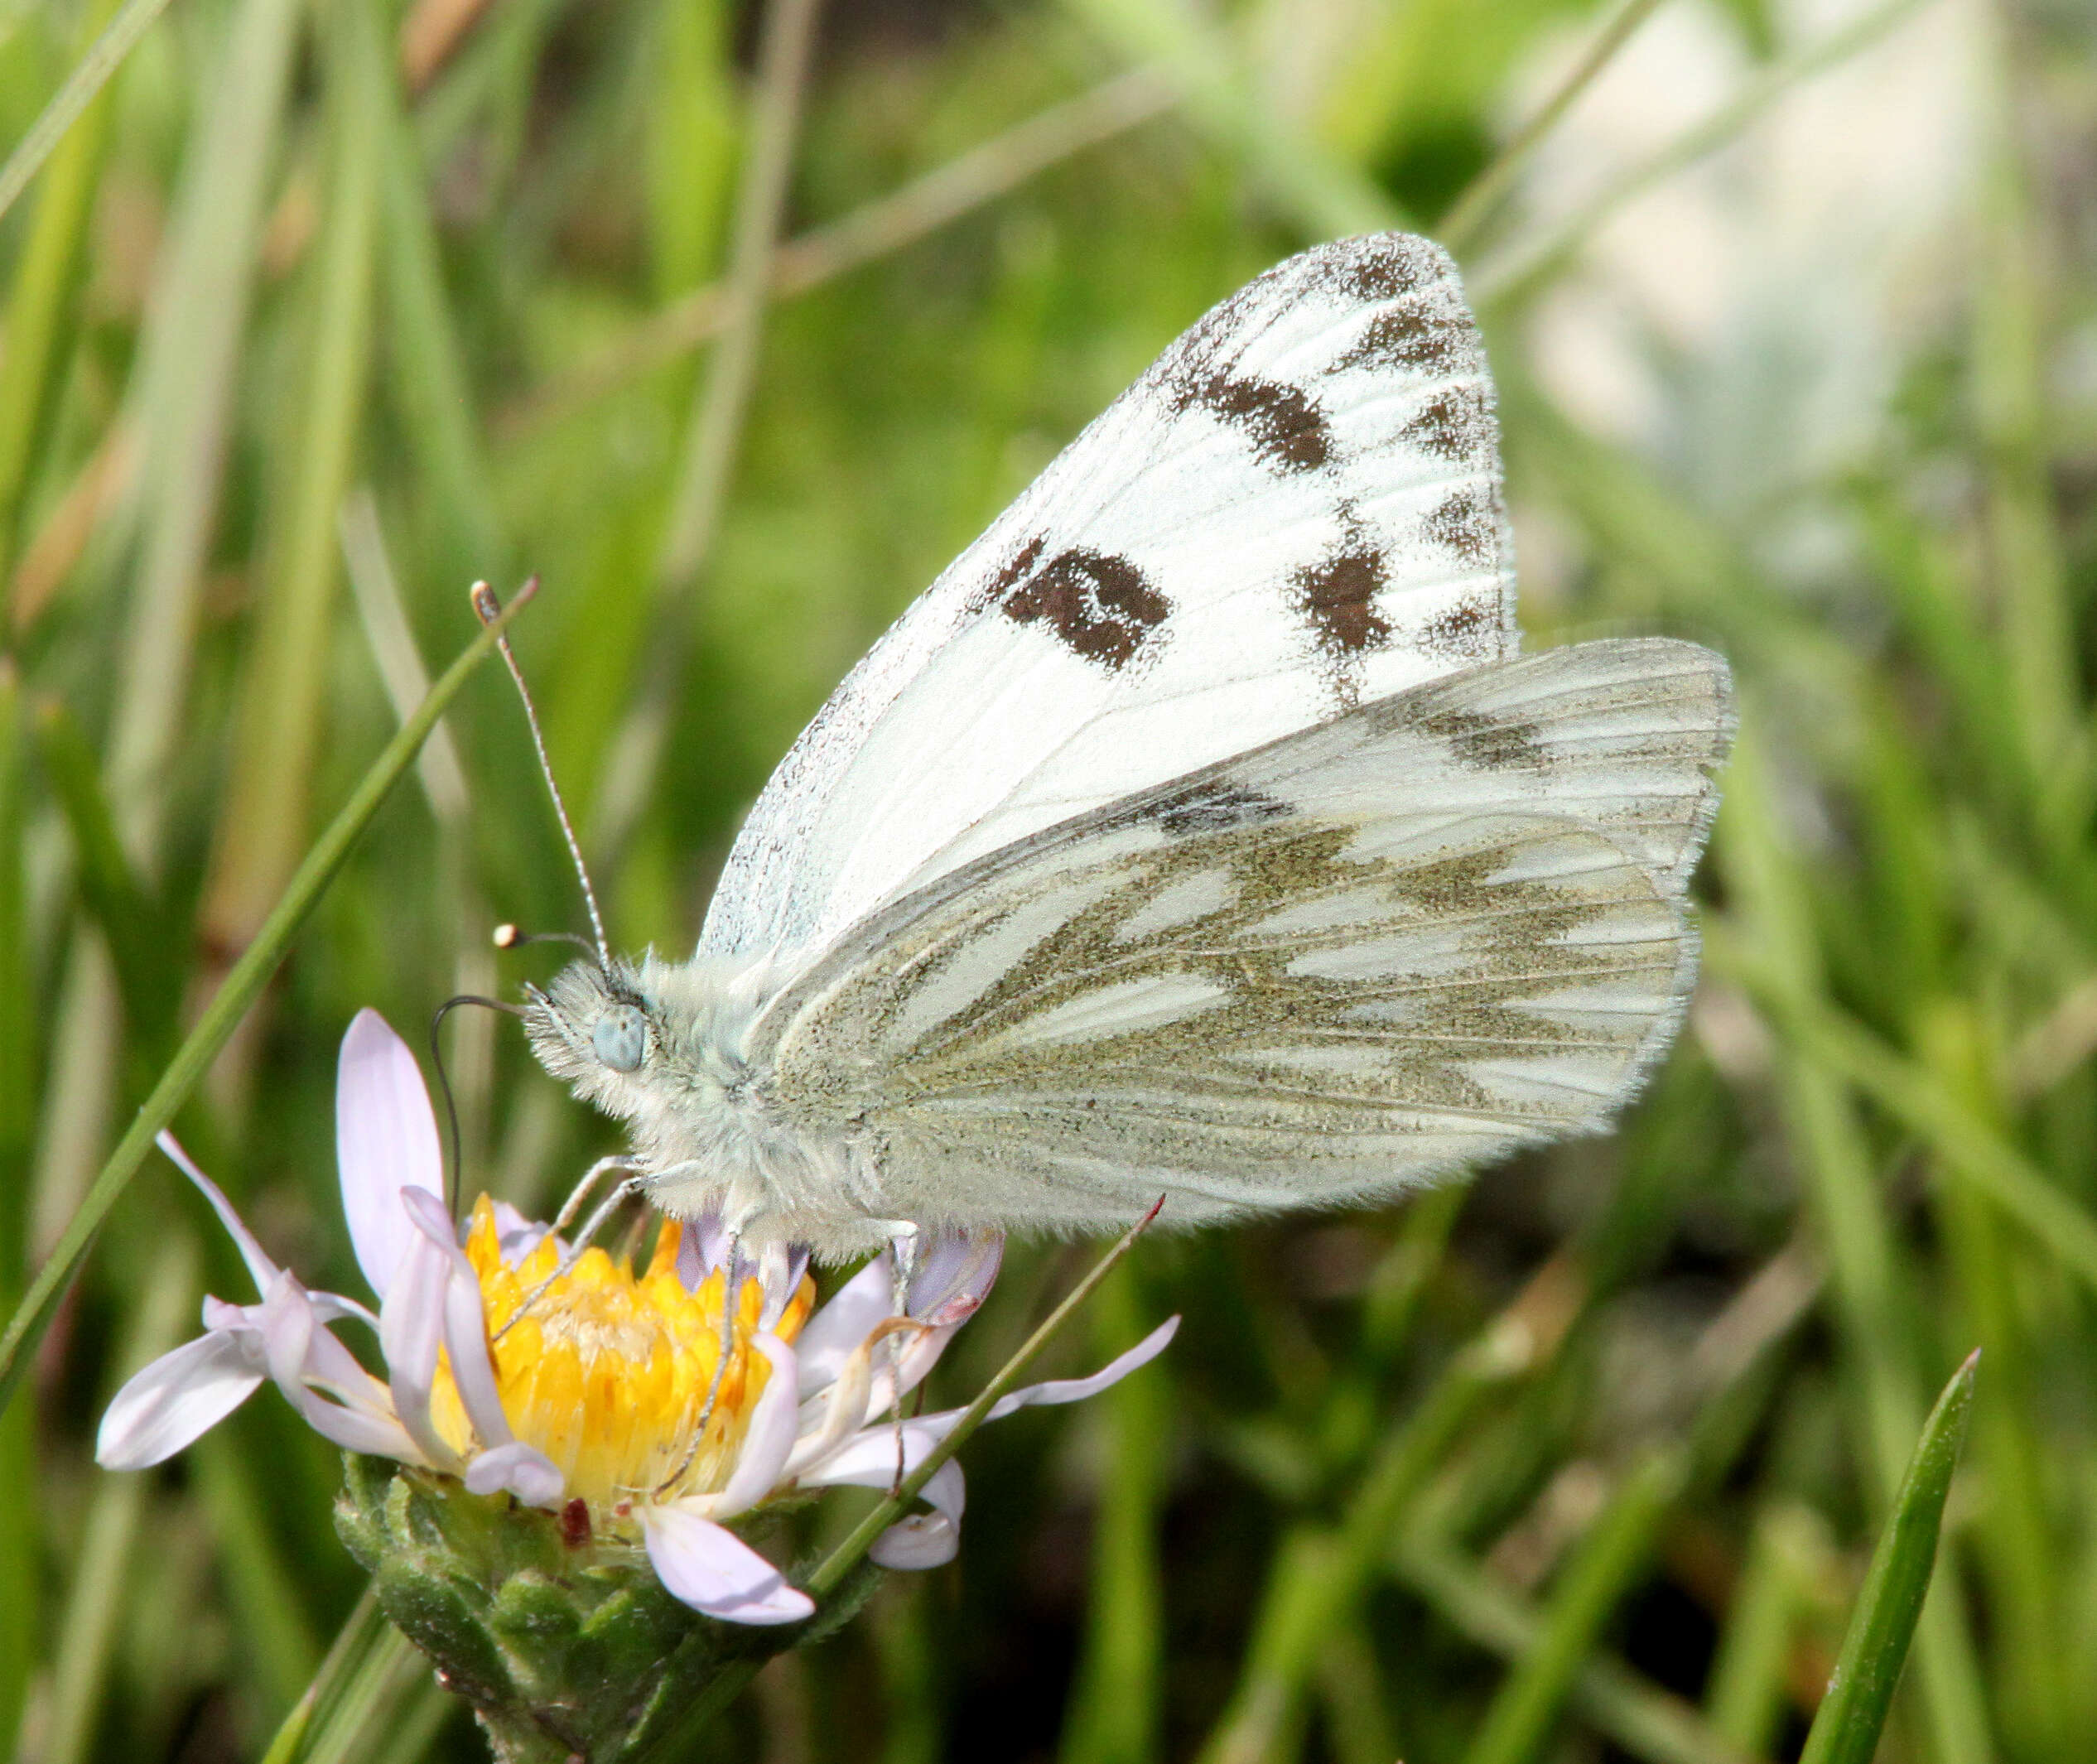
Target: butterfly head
{"points": [[659, 1045]]}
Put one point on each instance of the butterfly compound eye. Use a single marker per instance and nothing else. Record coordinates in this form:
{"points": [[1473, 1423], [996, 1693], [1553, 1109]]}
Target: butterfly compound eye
{"points": [[620, 1038]]}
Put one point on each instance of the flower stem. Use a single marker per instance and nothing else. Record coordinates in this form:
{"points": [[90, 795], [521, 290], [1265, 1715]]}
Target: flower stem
{"points": [[830, 1574], [727, 1683], [249, 975]]}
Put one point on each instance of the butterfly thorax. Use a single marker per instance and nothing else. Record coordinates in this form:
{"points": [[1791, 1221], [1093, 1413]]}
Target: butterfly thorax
{"points": [[666, 1048]]}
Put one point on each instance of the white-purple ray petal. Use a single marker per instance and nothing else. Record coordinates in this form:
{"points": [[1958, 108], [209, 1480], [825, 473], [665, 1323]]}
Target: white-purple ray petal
{"points": [[854, 1310], [411, 1326], [768, 1439], [385, 1139], [289, 1337], [524, 1471], [956, 1271], [465, 1325], [714, 1571], [260, 1267], [1077, 1390], [178, 1398]]}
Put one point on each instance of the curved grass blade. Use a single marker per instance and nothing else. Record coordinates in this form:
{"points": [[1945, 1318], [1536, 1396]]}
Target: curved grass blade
{"points": [[1846, 1730], [215, 1027]]}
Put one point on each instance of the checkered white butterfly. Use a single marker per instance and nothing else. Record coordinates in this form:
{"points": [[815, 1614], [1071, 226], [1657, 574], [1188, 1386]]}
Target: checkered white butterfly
{"points": [[1200, 832]]}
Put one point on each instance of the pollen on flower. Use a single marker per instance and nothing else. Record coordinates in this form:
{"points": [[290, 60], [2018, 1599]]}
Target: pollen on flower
{"points": [[608, 1371]]}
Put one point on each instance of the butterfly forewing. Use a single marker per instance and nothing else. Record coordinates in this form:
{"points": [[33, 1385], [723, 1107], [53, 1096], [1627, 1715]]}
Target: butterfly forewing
{"points": [[1441, 924], [1296, 510]]}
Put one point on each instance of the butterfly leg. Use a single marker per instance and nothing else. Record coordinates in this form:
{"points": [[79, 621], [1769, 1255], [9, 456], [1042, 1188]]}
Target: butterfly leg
{"points": [[626, 1191], [731, 1259], [903, 1267]]}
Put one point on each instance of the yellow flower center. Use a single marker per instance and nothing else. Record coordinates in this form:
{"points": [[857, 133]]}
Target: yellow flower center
{"points": [[608, 1369]]}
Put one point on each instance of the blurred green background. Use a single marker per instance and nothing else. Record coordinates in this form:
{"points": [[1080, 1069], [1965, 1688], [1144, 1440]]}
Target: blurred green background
{"points": [[326, 307]]}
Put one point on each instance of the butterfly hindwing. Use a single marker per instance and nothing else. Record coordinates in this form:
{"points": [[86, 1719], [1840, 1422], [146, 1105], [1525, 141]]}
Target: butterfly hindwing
{"points": [[1296, 509], [1441, 924]]}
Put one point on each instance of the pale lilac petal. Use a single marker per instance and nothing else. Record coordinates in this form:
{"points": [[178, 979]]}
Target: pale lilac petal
{"points": [[1077, 1390], [702, 1248], [855, 1311], [714, 1571], [332, 1308], [385, 1139], [466, 1322], [181, 1396], [923, 1541], [515, 1236], [780, 1267], [259, 1265], [411, 1326], [827, 1419], [769, 1438], [937, 1426], [375, 1436], [868, 1459], [522, 1470], [292, 1344], [956, 1271]]}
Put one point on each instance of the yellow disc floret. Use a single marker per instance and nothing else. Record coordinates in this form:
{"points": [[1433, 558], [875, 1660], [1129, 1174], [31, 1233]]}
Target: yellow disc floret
{"points": [[608, 1369]]}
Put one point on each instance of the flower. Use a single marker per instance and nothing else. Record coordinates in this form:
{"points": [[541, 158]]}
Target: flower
{"points": [[577, 1385]]}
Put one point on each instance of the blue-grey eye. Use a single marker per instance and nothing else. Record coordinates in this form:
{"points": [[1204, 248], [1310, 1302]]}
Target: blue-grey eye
{"points": [[620, 1038]]}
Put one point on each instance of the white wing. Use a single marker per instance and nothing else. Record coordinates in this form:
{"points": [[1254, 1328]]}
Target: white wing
{"points": [[1440, 925], [1296, 509]]}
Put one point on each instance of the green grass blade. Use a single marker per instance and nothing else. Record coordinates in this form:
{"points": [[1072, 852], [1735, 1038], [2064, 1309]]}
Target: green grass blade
{"points": [[115, 895], [1459, 229], [1115, 1705], [1846, 1729], [21, 1498], [42, 308], [359, 1696], [284, 682], [229, 1004], [102, 59], [1602, 1569]]}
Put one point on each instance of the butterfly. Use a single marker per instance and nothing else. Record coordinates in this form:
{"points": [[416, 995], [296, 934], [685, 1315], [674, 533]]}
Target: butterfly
{"points": [[1201, 831]]}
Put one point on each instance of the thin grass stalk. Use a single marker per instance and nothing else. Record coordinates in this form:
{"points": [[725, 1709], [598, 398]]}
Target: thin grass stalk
{"points": [[1602, 1569], [1513, 281], [1315, 189], [356, 1698], [230, 1005], [1745, 1696], [2017, 1553], [843, 1561], [1972, 1151], [1649, 1723], [21, 1594], [1320, 1574], [875, 230], [426, 376], [1473, 208], [41, 308], [1830, 1144], [99, 1585], [94, 70], [1351, 1699], [1114, 1707], [284, 682], [720, 407], [2027, 576], [281, 1652]]}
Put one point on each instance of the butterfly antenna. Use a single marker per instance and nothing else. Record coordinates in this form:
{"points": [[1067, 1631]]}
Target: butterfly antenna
{"points": [[444, 1085], [489, 609]]}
